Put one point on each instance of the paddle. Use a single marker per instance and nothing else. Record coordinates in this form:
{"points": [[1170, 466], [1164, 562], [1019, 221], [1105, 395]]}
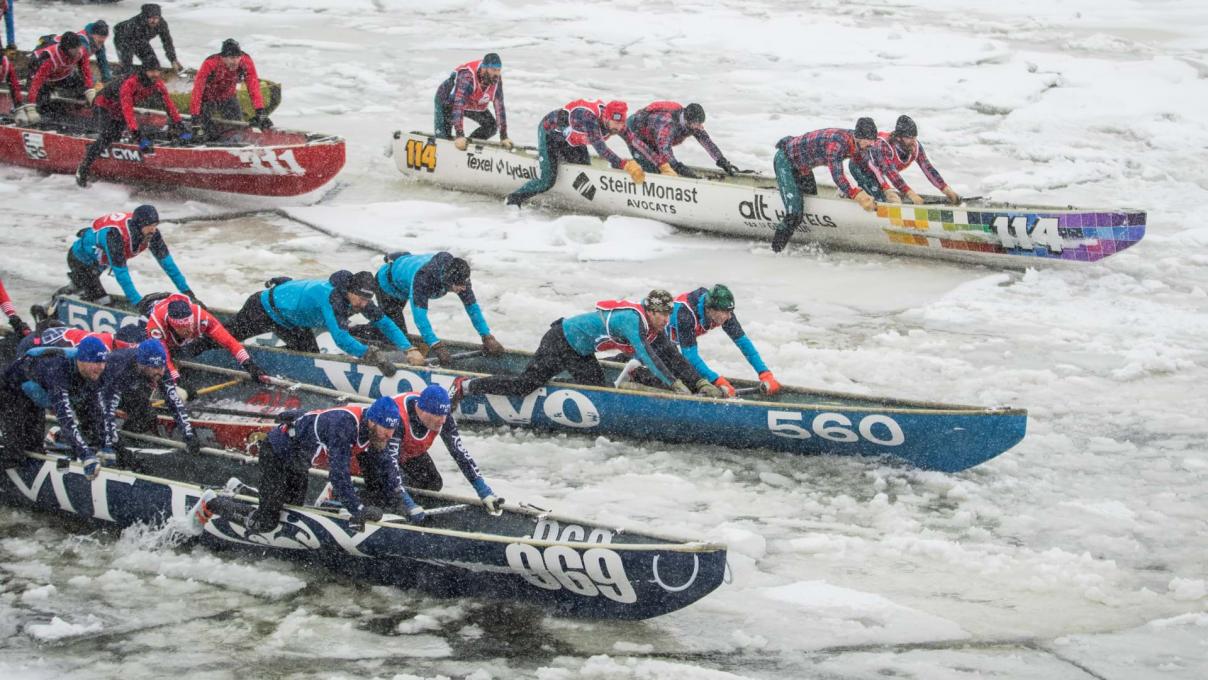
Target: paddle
{"points": [[278, 382], [205, 390]]}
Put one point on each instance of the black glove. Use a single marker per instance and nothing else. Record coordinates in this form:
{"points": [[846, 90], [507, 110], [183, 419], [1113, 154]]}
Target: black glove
{"points": [[260, 120], [18, 325], [684, 171], [193, 445], [368, 513], [255, 371], [442, 354], [727, 166], [377, 357]]}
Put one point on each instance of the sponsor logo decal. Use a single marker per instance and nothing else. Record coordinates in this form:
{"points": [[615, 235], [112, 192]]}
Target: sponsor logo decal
{"points": [[757, 210], [35, 145], [118, 153], [501, 166], [582, 184], [836, 427]]}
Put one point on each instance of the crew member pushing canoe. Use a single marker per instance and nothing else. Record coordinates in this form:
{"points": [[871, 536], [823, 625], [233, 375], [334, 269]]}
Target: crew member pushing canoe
{"points": [[664, 125], [564, 135], [796, 158], [187, 329], [294, 309], [467, 93], [51, 378], [132, 38], [93, 39], [130, 377], [408, 278], [51, 73], [110, 243], [571, 345], [899, 150]]}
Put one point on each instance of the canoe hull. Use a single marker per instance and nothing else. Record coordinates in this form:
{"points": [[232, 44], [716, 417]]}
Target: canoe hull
{"points": [[750, 207], [941, 437]]}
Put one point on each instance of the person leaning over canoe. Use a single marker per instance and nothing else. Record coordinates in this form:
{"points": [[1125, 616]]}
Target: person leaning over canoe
{"points": [[571, 344], [110, 243], [62, 336], [132, 38], [214, 89], [8, 77], [423, 416], [330, 438], [564, 135], [663, 125], [417, 279], [294, 309], [113, 114], [899, 149], [14, 319], [93, 39], [130, 377], [51, 73], [695, 313], [796, 158], [50, 378], [187, 329], [466, 93]]}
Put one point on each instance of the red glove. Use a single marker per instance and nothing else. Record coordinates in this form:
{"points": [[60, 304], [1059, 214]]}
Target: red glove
{"points": [[725, 386], [769, 382]]}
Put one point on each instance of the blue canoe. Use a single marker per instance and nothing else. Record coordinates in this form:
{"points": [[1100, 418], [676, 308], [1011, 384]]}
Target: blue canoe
{"points": [[526, 556], [932, 436]]}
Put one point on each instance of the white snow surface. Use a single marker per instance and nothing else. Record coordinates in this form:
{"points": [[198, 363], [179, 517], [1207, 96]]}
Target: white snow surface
{"points": [[1078, 554]]}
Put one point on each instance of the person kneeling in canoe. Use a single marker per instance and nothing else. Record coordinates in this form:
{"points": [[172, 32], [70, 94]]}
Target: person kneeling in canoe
{"points": [[697, 312], [899, 150], [417, 279], [424, 415], [60, 68], [466, 93], [294, 309], [113, 112], [130, 377], [796, 158], [330, 438], [110, 243], [50, 378], [564, 135], [571, 344], [664, 125], [214, 89], [187, 329]]}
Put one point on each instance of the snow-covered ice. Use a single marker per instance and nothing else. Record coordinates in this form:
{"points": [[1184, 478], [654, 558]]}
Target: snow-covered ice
{"points": [[1078, 554]]}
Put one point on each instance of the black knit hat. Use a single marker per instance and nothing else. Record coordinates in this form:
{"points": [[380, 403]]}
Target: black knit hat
{"points": [[866, 129], [456, 273], [230, 48], [150, 10], [694, 113], [69, 41], [363, 284], [906, 127]]}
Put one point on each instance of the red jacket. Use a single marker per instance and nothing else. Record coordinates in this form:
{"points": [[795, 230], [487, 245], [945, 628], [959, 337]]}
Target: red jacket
{"points": [[6, 303], [121, 96], [9, 73], [215, 82], [56, 66], [203, 325]]}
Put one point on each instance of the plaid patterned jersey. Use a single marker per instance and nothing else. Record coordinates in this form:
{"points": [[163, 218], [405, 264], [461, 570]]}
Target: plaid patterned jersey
{"points": [[661, 130], [829, 147], [585, 123]]}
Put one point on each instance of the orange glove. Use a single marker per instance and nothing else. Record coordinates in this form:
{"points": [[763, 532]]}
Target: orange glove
{"points": [[666, 169], [636, 173], [768, 380], [725, 385]]}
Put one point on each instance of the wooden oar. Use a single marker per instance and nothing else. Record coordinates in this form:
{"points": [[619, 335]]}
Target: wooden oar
{"points": [[206, 390], [278, 382]]}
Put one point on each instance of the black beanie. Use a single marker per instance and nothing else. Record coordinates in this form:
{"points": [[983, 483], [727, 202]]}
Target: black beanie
{"points": [[694, 113], [866, 129], [906, 127]]}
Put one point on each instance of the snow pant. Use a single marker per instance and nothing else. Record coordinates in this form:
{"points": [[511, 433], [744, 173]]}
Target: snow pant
{"points": [[128, 48], [866, 180], [552, 149], [553, 356], [487, 126], [109, 130], [228, 109], [252, 319], [283, 479], [673, 359], [85, 277], [794, 185], [22, 427]]}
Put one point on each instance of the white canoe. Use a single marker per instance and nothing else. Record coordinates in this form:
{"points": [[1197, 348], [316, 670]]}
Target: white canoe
{"points": [[749, 206]]}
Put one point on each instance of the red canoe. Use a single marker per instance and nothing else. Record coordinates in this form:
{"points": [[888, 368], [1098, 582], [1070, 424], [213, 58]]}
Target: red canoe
{"points": [[243, 161]]}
